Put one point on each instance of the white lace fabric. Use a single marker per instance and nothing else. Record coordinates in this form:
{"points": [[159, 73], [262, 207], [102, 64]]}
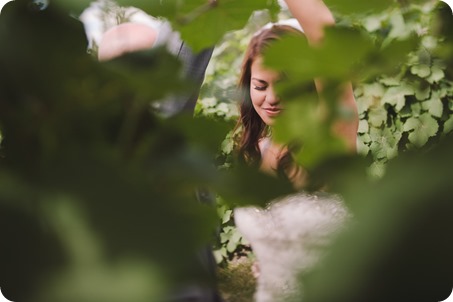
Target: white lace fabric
{"points": [[288, 238]]}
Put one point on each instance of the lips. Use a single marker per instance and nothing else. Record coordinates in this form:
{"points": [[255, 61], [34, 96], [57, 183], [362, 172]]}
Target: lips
{"points": [[272, 111]]}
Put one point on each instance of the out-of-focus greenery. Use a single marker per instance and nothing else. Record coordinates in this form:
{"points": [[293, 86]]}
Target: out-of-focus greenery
{"points": [[97, 193]]}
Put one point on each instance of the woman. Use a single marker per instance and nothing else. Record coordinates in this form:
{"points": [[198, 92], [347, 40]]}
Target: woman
{"points": [[260, 107], [289, 236]]}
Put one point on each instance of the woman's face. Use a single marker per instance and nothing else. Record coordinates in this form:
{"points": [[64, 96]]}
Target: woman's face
{"points": [[264, 99]]}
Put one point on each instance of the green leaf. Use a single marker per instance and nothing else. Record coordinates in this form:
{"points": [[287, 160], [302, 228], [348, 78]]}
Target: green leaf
{"points": [[421, 129], [422, 92], [348, 7], [377, 169], [434, 105], [372, 94], [218, 256], [221, 17], [390, 58], [377, 116], [391, 81], [303, 124], [338, 57], [227, 216], [421, 70], [366, 138], [384, 143], [224, 237], [416, 109], [243, 185], [398, 26], [437, 74], [363, 126], [396, 96], [373, 22], [362, 148], [448, 125]]}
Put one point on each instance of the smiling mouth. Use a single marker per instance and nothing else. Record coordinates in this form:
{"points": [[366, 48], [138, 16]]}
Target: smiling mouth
{"points": [[273, 111]]}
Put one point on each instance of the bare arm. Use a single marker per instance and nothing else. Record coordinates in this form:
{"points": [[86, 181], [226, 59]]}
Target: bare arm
{"points": [[313, 16], [125, 38]]}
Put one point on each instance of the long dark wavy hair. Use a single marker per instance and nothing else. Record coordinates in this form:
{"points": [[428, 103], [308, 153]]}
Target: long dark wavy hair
{"points": [[250, 127]]}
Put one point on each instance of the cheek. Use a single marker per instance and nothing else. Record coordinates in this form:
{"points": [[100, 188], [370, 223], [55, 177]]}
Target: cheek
{"points": [[257, 97]]}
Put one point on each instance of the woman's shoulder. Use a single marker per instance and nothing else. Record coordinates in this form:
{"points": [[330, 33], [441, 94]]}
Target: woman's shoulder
{"points": [[270, 155]]}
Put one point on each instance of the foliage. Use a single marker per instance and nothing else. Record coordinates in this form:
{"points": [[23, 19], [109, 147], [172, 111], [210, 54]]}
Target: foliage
{"points": [[403, 94], [100, 189], [410, 107], [402, 238]]}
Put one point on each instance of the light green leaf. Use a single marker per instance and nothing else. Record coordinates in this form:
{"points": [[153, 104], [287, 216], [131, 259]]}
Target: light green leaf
{"points": [[422, 128], [437, 74], [391, 81], [373, 22], [366, 138], [377, 116], [373, 89], [421, 70], [227, 216], [362, 148], [434, 105], [372, 94], [448, 125], [218, 256], [429, 42], [416, 109], [363, 126], [422, 93], [396, 96], [377, 169], [384, 143], [398, 26]]}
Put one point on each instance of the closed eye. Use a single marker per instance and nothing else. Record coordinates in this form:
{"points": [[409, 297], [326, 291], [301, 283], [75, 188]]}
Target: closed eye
{"points": [[259, 84], [260, 88]]}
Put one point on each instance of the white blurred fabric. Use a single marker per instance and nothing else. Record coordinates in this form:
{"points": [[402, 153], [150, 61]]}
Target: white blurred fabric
{"points": [[288, 238]]}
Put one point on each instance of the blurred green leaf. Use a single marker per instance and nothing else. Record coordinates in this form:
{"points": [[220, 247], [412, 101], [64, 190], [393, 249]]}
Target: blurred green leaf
{"points": [[248, 186], [357, 7], [302, 124], [294, 56], [191, 17], [403, 254]]}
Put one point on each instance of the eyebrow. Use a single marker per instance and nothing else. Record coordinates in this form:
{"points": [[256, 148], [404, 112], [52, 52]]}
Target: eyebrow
{"points": [[261, 81]]}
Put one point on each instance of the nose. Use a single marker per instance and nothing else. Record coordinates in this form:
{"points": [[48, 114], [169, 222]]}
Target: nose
{"points": [[272, 98]]}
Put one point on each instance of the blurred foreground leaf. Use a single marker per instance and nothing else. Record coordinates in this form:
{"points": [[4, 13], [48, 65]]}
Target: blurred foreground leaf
{"points": [[399, 246]]}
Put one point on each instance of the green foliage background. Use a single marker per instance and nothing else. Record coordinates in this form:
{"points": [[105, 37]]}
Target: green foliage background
{"points": [[97, 193], [409, 106]]}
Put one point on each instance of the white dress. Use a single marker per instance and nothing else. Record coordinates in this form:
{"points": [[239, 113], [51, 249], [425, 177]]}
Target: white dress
{"points": [[288, 238]]}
